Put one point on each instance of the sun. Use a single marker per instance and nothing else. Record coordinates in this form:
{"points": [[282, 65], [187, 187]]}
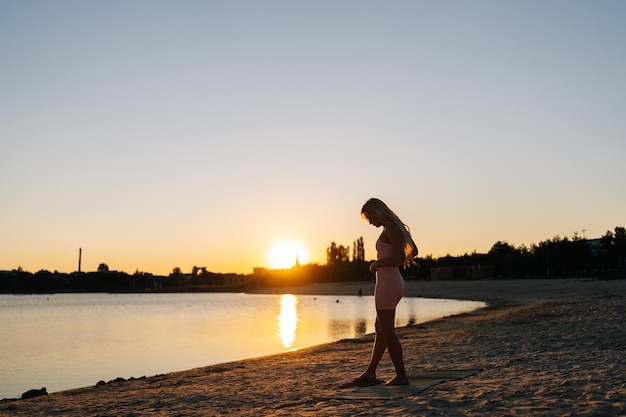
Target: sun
{"points": [[285, 253]]}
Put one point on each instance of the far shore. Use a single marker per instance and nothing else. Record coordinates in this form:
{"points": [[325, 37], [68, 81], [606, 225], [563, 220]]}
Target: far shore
{"points": [[542, 348], [490, 291]]}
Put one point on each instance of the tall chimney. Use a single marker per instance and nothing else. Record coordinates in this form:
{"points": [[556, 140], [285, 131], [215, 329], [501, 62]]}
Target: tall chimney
{"points": [[80, 255]]}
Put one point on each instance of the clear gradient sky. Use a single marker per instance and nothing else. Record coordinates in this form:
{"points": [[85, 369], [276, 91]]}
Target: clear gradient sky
{"points": [[162, 134]]}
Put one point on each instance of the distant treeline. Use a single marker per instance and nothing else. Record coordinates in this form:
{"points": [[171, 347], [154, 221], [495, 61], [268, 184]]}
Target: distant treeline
{"points": [[104, 280], [558, 257], [554, 258]]}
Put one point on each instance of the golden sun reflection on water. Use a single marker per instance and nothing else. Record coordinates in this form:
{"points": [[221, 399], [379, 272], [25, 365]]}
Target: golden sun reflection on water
{"points": [[288, 319]]}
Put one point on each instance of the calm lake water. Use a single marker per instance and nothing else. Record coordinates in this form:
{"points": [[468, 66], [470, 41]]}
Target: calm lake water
{"points": [[65, 341]]}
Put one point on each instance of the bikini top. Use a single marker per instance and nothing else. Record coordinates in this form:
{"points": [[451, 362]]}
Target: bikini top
{"points": [[383, 249]]}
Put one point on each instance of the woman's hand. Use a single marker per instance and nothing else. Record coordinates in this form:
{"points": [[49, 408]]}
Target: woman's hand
{"points": [[374, 267]]}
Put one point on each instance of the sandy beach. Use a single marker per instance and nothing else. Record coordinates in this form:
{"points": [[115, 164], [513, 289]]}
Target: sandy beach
{"points": [[541, 348]]}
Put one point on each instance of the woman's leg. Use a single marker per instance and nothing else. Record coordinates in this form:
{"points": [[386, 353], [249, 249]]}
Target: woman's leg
{"points": [[380, 345], [386, 321]]}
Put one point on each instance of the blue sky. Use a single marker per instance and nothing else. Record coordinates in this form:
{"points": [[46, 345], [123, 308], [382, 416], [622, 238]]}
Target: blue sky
{"points": [[161, 134]]}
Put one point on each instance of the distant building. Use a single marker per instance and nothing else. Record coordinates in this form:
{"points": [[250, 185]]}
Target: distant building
{"points": [[260, 272], [595, 245]]}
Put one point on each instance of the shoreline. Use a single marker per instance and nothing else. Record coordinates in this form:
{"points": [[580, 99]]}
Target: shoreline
{"points": [[545, 347], [513, 291]]}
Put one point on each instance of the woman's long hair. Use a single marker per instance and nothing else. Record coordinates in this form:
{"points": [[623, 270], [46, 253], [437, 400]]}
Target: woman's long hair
{"points": [[376, 208]]}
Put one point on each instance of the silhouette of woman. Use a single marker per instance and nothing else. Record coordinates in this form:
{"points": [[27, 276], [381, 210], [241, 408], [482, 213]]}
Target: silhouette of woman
{"points": [[394, 247]]}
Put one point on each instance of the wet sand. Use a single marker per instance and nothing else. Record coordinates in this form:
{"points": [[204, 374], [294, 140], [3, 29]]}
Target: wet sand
{"points": [[545, 347]]}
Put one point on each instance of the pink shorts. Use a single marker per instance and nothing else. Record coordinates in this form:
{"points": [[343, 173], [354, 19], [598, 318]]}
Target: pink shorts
{"points": [[389, 288]]}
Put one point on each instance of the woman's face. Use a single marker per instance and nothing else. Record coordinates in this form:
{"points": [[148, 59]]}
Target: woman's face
{"points": [[374, 221]]}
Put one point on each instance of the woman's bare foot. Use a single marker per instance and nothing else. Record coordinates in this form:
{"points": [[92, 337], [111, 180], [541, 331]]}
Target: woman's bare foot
{"points": [[398, 381], [367, 376]]}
